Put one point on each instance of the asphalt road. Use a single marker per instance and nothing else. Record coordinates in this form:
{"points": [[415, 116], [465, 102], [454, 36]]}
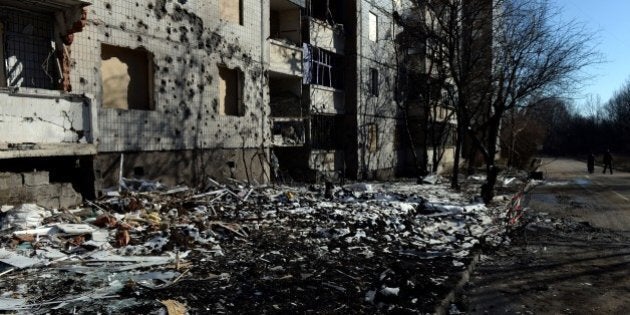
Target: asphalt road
{"points": [[574, 258], [601, 199]]}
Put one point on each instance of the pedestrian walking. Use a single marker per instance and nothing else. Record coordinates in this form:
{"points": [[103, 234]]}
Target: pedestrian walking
{"points": [[590, 163], [607, 162]]}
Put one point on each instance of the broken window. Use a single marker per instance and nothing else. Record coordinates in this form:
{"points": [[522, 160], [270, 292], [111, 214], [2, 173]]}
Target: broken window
{"points": [[326, 10], [127, 78], [323, 67], [230, 92], [373, 82], [373, 27], [231, 11], [372, 140], [28, 50], [327, 132]]}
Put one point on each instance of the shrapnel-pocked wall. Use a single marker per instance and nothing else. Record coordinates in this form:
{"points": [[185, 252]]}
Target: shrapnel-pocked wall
{"points": [[154, 69]]}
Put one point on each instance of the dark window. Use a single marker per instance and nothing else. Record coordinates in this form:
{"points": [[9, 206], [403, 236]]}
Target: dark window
{"points": [[230, 92], [330, 11], [327, 132], [27, 51], [323, 67], [441, 134], [374, 82]]}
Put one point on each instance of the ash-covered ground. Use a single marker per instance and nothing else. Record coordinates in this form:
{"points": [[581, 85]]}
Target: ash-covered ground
{"points": [[369, 248]]}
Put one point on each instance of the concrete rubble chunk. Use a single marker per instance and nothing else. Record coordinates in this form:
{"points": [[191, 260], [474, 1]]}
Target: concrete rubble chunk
{"points": [[25, 216], [36, 178], [9, 304], [17, 260], [76, 229]]}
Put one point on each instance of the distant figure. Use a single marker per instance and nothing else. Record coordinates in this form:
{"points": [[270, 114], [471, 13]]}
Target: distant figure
{"points": [[590, 163], [607, 162]]}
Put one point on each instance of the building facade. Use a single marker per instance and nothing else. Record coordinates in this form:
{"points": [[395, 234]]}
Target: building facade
{"points": [[351, 119], [183, 90]]}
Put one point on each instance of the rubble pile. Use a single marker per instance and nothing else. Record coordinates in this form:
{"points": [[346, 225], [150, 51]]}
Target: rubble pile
{"points": [[238, 248]]}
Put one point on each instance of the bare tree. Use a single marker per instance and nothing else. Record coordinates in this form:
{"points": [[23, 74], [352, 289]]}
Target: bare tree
{"points": [[534, 54], [424, 85], [500, 55]]}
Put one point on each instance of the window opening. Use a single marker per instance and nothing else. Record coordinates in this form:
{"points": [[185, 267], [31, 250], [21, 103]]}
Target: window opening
{"points": [[28, 50], [230, 92], [323, 67], [231, 11], [127, 78], [373, 27], [285, 23], [374, 82], [330, 11], [327, 132]]}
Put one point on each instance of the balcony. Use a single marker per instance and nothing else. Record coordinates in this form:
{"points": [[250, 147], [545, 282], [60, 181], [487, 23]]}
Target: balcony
{"points": [[288, 132], [38, 123], [285, 58], [326, 100], [326, 161]]}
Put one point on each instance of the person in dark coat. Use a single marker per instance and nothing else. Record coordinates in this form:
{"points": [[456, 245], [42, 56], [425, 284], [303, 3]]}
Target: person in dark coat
{"points": [[607, 162], [590, 163]]}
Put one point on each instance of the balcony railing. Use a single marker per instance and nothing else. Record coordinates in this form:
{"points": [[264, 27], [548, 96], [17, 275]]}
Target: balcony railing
{"points": [[285, 58]]}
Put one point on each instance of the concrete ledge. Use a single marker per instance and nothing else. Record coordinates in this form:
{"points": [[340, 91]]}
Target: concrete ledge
{"points": [[48, 149]]}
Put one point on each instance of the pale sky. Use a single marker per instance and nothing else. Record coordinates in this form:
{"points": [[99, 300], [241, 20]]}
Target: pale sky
{"points": [[611, 20]]}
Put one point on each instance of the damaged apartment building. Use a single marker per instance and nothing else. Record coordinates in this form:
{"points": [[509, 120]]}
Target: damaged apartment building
{"points": [[169, 90], [334, 114], [183, 90]]}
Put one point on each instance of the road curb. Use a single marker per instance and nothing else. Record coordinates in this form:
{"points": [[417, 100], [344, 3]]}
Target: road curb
{"points": [[443, 307]]}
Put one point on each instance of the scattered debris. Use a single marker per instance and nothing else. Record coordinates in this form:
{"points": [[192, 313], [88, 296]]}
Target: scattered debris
{"points": [[174, 308], [234, 247]]}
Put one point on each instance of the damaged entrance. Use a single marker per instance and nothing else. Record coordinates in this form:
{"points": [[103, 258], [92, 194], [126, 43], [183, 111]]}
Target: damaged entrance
{"points": [[47, 136]]}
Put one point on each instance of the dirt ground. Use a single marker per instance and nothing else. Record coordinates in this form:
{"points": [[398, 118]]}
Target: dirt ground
{"points": [[373, 248], [571, 256]]}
